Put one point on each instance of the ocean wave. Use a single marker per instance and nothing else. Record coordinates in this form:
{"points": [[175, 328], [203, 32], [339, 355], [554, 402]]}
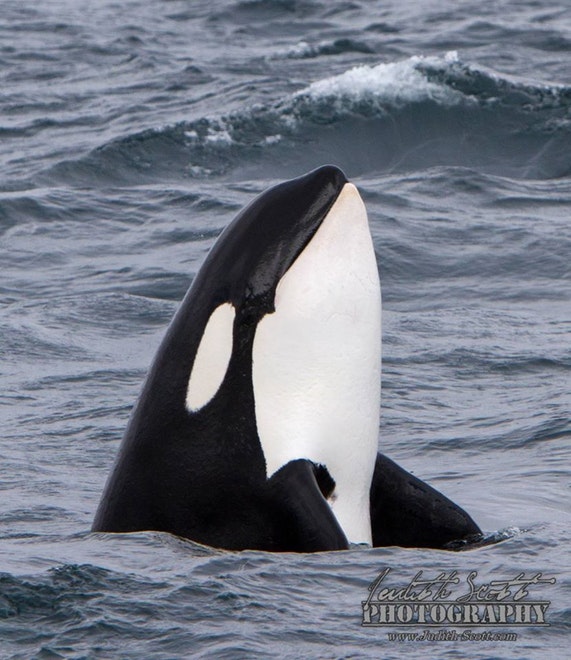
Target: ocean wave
{"points": [[396, 116], [54, 593], [384, 86], [306, 51]]}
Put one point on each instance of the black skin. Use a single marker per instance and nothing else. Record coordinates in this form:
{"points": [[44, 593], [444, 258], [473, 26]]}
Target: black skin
{"points": [[407, 512], [202, 475]]}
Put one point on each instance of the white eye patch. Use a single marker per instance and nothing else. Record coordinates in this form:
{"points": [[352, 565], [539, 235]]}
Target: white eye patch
{"points": [[212, 358]]}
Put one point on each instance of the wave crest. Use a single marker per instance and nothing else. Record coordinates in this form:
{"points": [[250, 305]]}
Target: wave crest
{"points": [[411, 114], [393, 83]]}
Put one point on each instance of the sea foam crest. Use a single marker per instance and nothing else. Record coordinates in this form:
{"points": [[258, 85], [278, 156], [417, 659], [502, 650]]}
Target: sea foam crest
{"points": [[392, 83], [304, 50]]}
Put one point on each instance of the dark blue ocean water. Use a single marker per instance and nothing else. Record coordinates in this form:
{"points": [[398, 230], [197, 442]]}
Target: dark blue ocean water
{"points": [[131, 132]]}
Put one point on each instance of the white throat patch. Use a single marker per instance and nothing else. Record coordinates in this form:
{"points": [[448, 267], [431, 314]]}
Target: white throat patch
{"points": [[317, 360]]}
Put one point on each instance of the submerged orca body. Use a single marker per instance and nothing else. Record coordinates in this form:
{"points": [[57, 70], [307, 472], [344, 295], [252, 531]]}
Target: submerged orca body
{"points": [[257, 424]]}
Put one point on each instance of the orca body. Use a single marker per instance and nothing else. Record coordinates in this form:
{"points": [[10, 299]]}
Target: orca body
{"points": [[257, 425]]}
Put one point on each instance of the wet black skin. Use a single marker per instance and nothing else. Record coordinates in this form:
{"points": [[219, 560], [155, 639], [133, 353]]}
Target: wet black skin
{"points": [[406, 511], [202, 475]]}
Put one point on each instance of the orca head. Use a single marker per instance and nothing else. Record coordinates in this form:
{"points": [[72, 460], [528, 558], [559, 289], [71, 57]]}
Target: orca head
{"points": [[257, 425], [272, 359]]}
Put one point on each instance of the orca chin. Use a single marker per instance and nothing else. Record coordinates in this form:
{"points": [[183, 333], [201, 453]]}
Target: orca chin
{"points": [[257, 425]]}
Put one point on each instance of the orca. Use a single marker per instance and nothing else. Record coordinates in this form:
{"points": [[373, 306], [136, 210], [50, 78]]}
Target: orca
{"points": [[257, 425]]}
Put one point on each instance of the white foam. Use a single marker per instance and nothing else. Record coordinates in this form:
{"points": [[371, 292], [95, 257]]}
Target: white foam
{"points": [[219, 136], [299, 50], [393, 82]]}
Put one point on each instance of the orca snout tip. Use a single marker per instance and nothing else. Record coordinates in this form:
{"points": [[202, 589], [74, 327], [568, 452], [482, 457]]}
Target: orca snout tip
{"points": [[351, 202], [350, 190], [327, 175]]}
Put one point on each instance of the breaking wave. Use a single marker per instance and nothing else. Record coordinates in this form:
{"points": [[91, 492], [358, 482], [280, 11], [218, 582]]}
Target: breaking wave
{"points": [[397, 116]]}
